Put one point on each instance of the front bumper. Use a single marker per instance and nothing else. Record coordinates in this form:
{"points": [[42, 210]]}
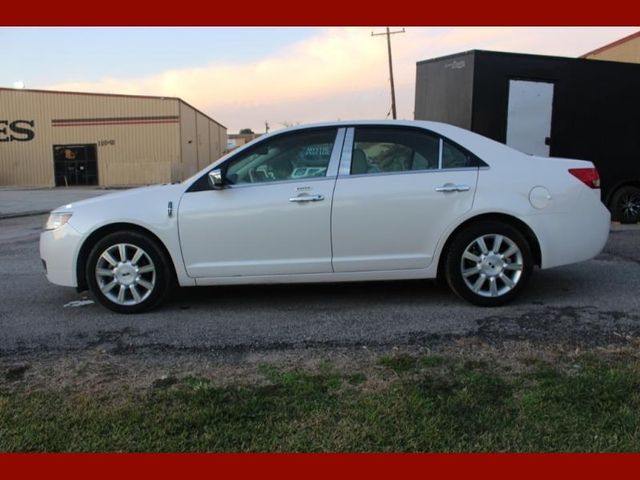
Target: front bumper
{"points": [[58, 251]]}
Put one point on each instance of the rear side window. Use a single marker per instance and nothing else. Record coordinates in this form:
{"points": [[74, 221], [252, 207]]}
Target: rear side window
{"points": [[454, 157], [388, 149], [383, 150]]}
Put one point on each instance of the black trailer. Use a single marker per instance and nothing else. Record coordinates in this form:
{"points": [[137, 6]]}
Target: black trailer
{"points": [[550, 106]]}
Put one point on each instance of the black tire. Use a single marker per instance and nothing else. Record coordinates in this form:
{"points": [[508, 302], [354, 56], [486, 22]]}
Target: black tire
{"points": [[625, 204], [493, 264], [161, 277]]}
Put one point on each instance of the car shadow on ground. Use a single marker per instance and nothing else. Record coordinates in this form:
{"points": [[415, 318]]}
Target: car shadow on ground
{"points": [[544, 287], [328, 294]]}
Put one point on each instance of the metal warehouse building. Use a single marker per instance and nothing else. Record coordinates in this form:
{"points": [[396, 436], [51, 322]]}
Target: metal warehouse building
{"points": [[50, 138]]}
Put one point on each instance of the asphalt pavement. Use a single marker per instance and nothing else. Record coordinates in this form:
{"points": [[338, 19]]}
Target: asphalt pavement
{"points": [[18, 202], [591, 303]]}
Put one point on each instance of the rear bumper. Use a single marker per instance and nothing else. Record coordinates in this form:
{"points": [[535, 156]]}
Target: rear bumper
{"points": [[573, 236], [58, 251]]}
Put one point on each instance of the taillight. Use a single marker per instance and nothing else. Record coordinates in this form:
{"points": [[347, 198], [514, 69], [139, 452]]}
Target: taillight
{"points": [[588, 176]]}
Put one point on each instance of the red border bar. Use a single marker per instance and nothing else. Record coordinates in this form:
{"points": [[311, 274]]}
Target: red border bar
{"points": [[320, 466], [325, 13]]}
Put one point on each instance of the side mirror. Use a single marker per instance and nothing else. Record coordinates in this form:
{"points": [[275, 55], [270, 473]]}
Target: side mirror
{"points": [[216, 180]]}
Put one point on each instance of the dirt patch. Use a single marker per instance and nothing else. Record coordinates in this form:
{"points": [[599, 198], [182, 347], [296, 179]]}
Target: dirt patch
{"points": [[15, 372], [102, 373]]}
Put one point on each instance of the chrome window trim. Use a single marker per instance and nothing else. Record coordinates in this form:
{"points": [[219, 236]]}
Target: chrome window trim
{"points": [[347, 150], [278, 182], [440, 147], [413, 172]]}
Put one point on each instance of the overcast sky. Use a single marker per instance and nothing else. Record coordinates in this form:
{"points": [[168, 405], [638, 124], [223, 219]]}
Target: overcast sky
{"points": [[243, 77]]}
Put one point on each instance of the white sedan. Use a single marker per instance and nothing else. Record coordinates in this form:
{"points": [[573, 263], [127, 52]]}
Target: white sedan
{"points": [[336, 202]]}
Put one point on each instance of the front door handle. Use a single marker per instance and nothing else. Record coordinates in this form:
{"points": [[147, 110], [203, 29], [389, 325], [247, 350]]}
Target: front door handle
{"points": [[450, 187], [306, 198]]}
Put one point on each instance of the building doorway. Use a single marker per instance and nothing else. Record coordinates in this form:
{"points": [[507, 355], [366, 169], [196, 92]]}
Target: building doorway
{"points": [[75, 165]]}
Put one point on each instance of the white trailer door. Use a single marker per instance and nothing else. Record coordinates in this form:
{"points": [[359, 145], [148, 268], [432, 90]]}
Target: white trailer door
{"points": [[529, 116]]}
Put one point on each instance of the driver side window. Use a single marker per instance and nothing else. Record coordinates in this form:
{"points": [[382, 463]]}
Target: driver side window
{"points": [[287, 157]]}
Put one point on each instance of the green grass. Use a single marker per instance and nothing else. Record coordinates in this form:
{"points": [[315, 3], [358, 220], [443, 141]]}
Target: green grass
{"points": [[423, 403]]}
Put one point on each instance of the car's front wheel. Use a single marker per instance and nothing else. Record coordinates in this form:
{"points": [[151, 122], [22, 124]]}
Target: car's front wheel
{"points": [[128, 272], [488, 263]]}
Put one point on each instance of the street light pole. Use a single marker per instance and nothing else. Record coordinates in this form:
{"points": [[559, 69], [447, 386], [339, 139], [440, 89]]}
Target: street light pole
{"points": [[388, 33]]}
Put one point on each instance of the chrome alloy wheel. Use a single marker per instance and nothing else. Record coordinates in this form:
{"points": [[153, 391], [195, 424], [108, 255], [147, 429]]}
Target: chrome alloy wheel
{"points": [[491, 265], [125, 274], [630, 205]]}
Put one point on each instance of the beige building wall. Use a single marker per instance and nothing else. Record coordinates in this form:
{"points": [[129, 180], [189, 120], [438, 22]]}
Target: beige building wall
{"points": [[139, 140], [200, 139], [217, 141], [188, 140], [235, 140], [624, 50], [203, 140]]}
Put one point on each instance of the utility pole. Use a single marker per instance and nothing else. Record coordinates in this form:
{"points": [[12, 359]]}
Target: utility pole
{"points": [[266, 127], [393, 89]]}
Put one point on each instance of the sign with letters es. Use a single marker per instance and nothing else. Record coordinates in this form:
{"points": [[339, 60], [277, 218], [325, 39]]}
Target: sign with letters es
{"points": [[16, 130]]}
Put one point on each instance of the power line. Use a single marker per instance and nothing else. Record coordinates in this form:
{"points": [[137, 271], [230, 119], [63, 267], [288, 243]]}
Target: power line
{"points": [[393, 89]]}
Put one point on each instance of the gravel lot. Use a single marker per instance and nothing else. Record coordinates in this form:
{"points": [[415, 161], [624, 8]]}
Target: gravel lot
{"points": [[590, 305]]}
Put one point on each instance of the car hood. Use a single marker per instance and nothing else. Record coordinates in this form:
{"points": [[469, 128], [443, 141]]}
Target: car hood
{"points": [[129, 195]]}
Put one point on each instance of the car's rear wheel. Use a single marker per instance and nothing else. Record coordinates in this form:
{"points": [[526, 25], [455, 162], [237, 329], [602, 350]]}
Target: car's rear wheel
{"points": [[488, 263], [625, 204], [128, 272]]}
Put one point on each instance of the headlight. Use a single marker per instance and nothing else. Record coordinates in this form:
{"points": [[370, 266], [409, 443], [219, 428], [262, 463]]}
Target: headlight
{"points": [[56, 220]]}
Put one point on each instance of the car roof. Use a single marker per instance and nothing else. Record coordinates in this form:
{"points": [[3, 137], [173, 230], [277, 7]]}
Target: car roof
{"points": [[354, 123]]}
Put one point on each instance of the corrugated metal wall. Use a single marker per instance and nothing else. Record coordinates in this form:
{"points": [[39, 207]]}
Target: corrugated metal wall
{"points": [[444, 90], [202, 135], [188, 141], [217, 141], [200, 139], [140, 140]]}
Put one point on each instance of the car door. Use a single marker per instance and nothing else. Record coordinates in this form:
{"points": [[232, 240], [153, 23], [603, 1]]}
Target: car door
{"points": [[273, 215], [397, 191]]}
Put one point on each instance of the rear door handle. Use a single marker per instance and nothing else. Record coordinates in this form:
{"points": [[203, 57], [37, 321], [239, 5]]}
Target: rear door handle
{"points": [[450, 187], [307, 198]]}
